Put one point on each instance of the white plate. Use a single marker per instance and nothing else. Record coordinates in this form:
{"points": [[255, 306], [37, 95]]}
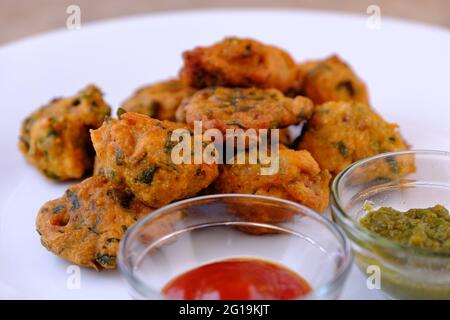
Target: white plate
{"points": [[406, 67]]}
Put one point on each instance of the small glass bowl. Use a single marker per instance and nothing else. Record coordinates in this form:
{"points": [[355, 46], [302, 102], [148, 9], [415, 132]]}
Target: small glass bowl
{"points": [[190, 233], [401, 180]]}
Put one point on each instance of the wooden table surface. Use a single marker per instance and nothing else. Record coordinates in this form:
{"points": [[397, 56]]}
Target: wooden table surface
{"points": [[21, 18]]}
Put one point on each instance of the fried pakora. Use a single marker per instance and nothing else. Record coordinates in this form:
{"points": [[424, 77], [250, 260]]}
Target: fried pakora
{"points": [[259, 211], [245, 108], [298, 179], [136, 150], [55, 138], [86, 224], [340, 133], [159, 101], [331, 79], [235, 62]]}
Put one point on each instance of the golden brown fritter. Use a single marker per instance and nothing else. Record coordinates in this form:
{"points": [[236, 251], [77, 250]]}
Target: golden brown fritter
{"points": [[136, 150], [160, 100], [298, 179], [56, 138], [383, 170], [256, 211], [235, 62], [86, 224], [233, 108], [331, 79], [340, 133]]}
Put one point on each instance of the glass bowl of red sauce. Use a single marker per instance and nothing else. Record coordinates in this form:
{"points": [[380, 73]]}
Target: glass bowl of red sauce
{"points": [[235, 247]]}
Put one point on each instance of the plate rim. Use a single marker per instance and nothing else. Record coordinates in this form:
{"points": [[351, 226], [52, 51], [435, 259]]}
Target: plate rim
{"points": [[223, 10]]}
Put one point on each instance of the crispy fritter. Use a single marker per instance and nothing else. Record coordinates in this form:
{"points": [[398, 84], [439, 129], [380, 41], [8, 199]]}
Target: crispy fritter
{"points": [[331, 79], [56, 138], [86, 224], [160, 100], [136, 150], [340, 133], [252, 212], [235, 62], [298, 179], [382, 170], [233, 108]]}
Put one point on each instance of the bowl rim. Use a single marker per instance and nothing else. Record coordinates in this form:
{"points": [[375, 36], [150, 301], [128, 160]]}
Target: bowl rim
{"points": [[317, 293], [365, 234]]}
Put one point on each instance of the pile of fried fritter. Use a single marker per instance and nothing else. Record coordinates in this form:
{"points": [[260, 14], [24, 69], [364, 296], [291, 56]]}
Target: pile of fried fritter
{"points": [[235, 83]]}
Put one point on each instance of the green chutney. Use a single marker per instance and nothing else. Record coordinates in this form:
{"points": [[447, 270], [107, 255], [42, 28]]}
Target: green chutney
{"points": [[427, 228]]}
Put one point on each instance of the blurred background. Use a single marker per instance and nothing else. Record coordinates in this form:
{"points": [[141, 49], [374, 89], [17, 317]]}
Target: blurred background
{"points": [[21, 18]]}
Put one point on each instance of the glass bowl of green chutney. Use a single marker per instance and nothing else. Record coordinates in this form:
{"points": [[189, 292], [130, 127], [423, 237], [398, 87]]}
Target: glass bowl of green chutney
{"points": [[394, 209]]}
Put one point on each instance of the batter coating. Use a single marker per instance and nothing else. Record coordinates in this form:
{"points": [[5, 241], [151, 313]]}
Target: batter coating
{"points": [[86, 224], [160, 100], [136, 150], [235, 62], [233, 108], [298, 179], [340, 133], [55, 138], [331, 79]]}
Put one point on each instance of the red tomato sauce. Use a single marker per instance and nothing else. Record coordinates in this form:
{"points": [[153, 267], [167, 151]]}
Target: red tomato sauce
{"points": [[237, 279]]}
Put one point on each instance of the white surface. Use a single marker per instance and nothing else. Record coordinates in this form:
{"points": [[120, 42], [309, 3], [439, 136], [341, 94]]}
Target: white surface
{"points": [[406, 67]]}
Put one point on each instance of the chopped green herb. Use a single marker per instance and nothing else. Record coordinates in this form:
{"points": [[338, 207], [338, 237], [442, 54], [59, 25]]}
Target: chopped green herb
{"points": [[160, 125], [317, 70], [105, 259], [169, 144], [146, 176], [126, 200], [235, 123], [110, 174], [111, 240], [58, 208], [51, 175], [73, 199], [124, 228], [120, 112], [153, 108], [393, 164], [93, 229], [76, 102], [347, 86], [123, 197], [274, 124], [119, 157], [52, 133], [28, 123], [342, 149], [25, 142], [381, 179]]}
